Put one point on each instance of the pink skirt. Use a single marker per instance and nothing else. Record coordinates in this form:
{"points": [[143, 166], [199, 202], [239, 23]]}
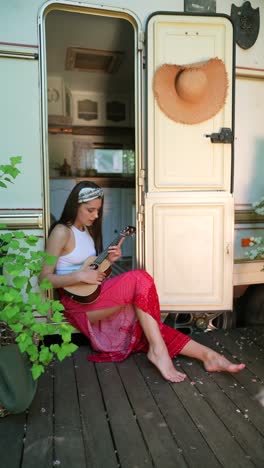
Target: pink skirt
{"points": [[120, 334]]}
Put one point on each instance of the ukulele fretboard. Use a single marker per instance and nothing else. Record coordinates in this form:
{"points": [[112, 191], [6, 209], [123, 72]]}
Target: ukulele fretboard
{"points": [[102, 256]]}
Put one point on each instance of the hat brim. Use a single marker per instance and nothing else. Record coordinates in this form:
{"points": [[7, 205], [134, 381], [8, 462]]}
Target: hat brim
{"points": [[185, 112]]}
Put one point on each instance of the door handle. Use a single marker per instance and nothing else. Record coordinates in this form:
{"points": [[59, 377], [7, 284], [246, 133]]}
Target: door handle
{"points": [[224, 136]]}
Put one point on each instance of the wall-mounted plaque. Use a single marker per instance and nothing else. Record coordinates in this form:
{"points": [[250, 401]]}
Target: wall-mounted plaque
{"points": [[246, 20]]}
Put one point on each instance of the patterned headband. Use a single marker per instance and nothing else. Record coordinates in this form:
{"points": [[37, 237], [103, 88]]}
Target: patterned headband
{"points": [[89, 193]]}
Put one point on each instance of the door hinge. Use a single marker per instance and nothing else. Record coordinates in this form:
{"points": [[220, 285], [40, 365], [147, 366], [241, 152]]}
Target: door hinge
{"points": [[140, 214], [141, 40], [228, 248], [142, 177]]}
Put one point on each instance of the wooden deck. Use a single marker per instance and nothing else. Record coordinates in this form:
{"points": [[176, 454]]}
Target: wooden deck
{"points": [[125, 415]]}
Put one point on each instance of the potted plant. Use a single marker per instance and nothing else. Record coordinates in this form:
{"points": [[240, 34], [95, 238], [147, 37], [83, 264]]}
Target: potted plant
{"points": [[22, 303]]}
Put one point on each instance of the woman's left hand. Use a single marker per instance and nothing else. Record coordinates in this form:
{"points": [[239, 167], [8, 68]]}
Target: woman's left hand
{"points": [[115, 252]]}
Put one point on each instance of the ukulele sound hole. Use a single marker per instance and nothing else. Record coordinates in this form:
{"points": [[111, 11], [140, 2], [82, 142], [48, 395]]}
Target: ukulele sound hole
{"points": [[94, 266]]}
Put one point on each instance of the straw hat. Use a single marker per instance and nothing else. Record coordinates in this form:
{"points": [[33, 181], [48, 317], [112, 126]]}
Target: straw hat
{"points": [[192, 93]]}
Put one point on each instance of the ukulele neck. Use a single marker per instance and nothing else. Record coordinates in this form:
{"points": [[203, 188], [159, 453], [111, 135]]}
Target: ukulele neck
{"points": [[102, 256]]}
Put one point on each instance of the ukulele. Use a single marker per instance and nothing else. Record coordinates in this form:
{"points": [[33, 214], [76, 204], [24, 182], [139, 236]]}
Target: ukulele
{"points": [[86, 293]]}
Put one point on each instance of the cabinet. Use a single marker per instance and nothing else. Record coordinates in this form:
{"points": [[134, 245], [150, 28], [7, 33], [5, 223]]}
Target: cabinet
{"points": [[87, 108], [116, 111], [98, 109], [189, 250]]}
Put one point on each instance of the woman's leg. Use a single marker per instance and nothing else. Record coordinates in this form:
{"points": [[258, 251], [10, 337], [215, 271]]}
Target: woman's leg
{"points": [[213, 361], [157, 353], [137, 287]]}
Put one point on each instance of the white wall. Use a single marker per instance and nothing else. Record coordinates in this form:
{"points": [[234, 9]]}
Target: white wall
{"points": [[249, 141], [18, 21]]}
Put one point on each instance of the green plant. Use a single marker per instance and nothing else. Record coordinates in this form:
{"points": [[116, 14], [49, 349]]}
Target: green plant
{"points": [[22, 301], [256, 251], [259, 206], [9, 171]]}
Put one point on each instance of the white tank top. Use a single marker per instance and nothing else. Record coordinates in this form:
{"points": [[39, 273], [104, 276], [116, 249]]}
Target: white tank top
{"points": [[84, 248]]}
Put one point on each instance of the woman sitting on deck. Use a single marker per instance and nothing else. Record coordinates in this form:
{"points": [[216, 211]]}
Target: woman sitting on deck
{"points": [[125, 318]]}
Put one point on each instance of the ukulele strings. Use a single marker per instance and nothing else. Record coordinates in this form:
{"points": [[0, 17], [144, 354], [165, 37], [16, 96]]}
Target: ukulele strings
{"points": [[104, 254]]}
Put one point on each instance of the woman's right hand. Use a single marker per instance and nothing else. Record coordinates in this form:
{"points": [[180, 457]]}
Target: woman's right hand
{"points": [[91, 276]]}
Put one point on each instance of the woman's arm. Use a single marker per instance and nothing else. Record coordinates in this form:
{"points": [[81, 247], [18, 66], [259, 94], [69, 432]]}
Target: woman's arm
{"points": [[56, 245]]}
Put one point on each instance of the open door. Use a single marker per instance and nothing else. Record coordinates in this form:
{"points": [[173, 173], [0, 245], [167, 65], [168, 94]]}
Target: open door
{"points": [[91, 71], [188, 203]]}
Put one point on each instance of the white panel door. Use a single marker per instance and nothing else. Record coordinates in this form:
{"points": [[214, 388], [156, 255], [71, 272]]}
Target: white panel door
{"points": [[189, 238], [179, 155]]}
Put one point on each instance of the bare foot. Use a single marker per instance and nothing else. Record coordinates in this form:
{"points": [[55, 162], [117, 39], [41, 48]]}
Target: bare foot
{"points": [[215, 362], [165, 365]]}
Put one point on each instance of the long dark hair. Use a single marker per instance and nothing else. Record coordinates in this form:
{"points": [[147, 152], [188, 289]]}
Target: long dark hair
{"points": [[70, 210]]}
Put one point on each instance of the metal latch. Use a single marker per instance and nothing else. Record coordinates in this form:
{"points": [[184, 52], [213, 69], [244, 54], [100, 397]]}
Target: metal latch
{"points": [[224, 136]]}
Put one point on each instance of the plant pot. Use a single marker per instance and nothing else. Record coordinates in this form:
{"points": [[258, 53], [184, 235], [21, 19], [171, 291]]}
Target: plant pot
{"points": [[17, 387]]}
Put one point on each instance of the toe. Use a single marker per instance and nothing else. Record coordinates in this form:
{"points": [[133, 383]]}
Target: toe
{"points": [[236, 367]]}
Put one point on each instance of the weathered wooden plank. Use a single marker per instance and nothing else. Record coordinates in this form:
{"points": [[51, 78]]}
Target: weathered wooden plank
{"points": [[12, 429], [242, 337], [68, 440], [197, 420], [243, 389], [221, 341], [253, 335], [246, 404], [227, 410], [128, 439], [38, 450], [238, 347], [99, 448], [158, 437], [226, 449], [189, 440]]}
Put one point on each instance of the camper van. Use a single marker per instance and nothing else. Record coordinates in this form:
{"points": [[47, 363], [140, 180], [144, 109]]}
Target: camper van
{"points": [[81, 98]]}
